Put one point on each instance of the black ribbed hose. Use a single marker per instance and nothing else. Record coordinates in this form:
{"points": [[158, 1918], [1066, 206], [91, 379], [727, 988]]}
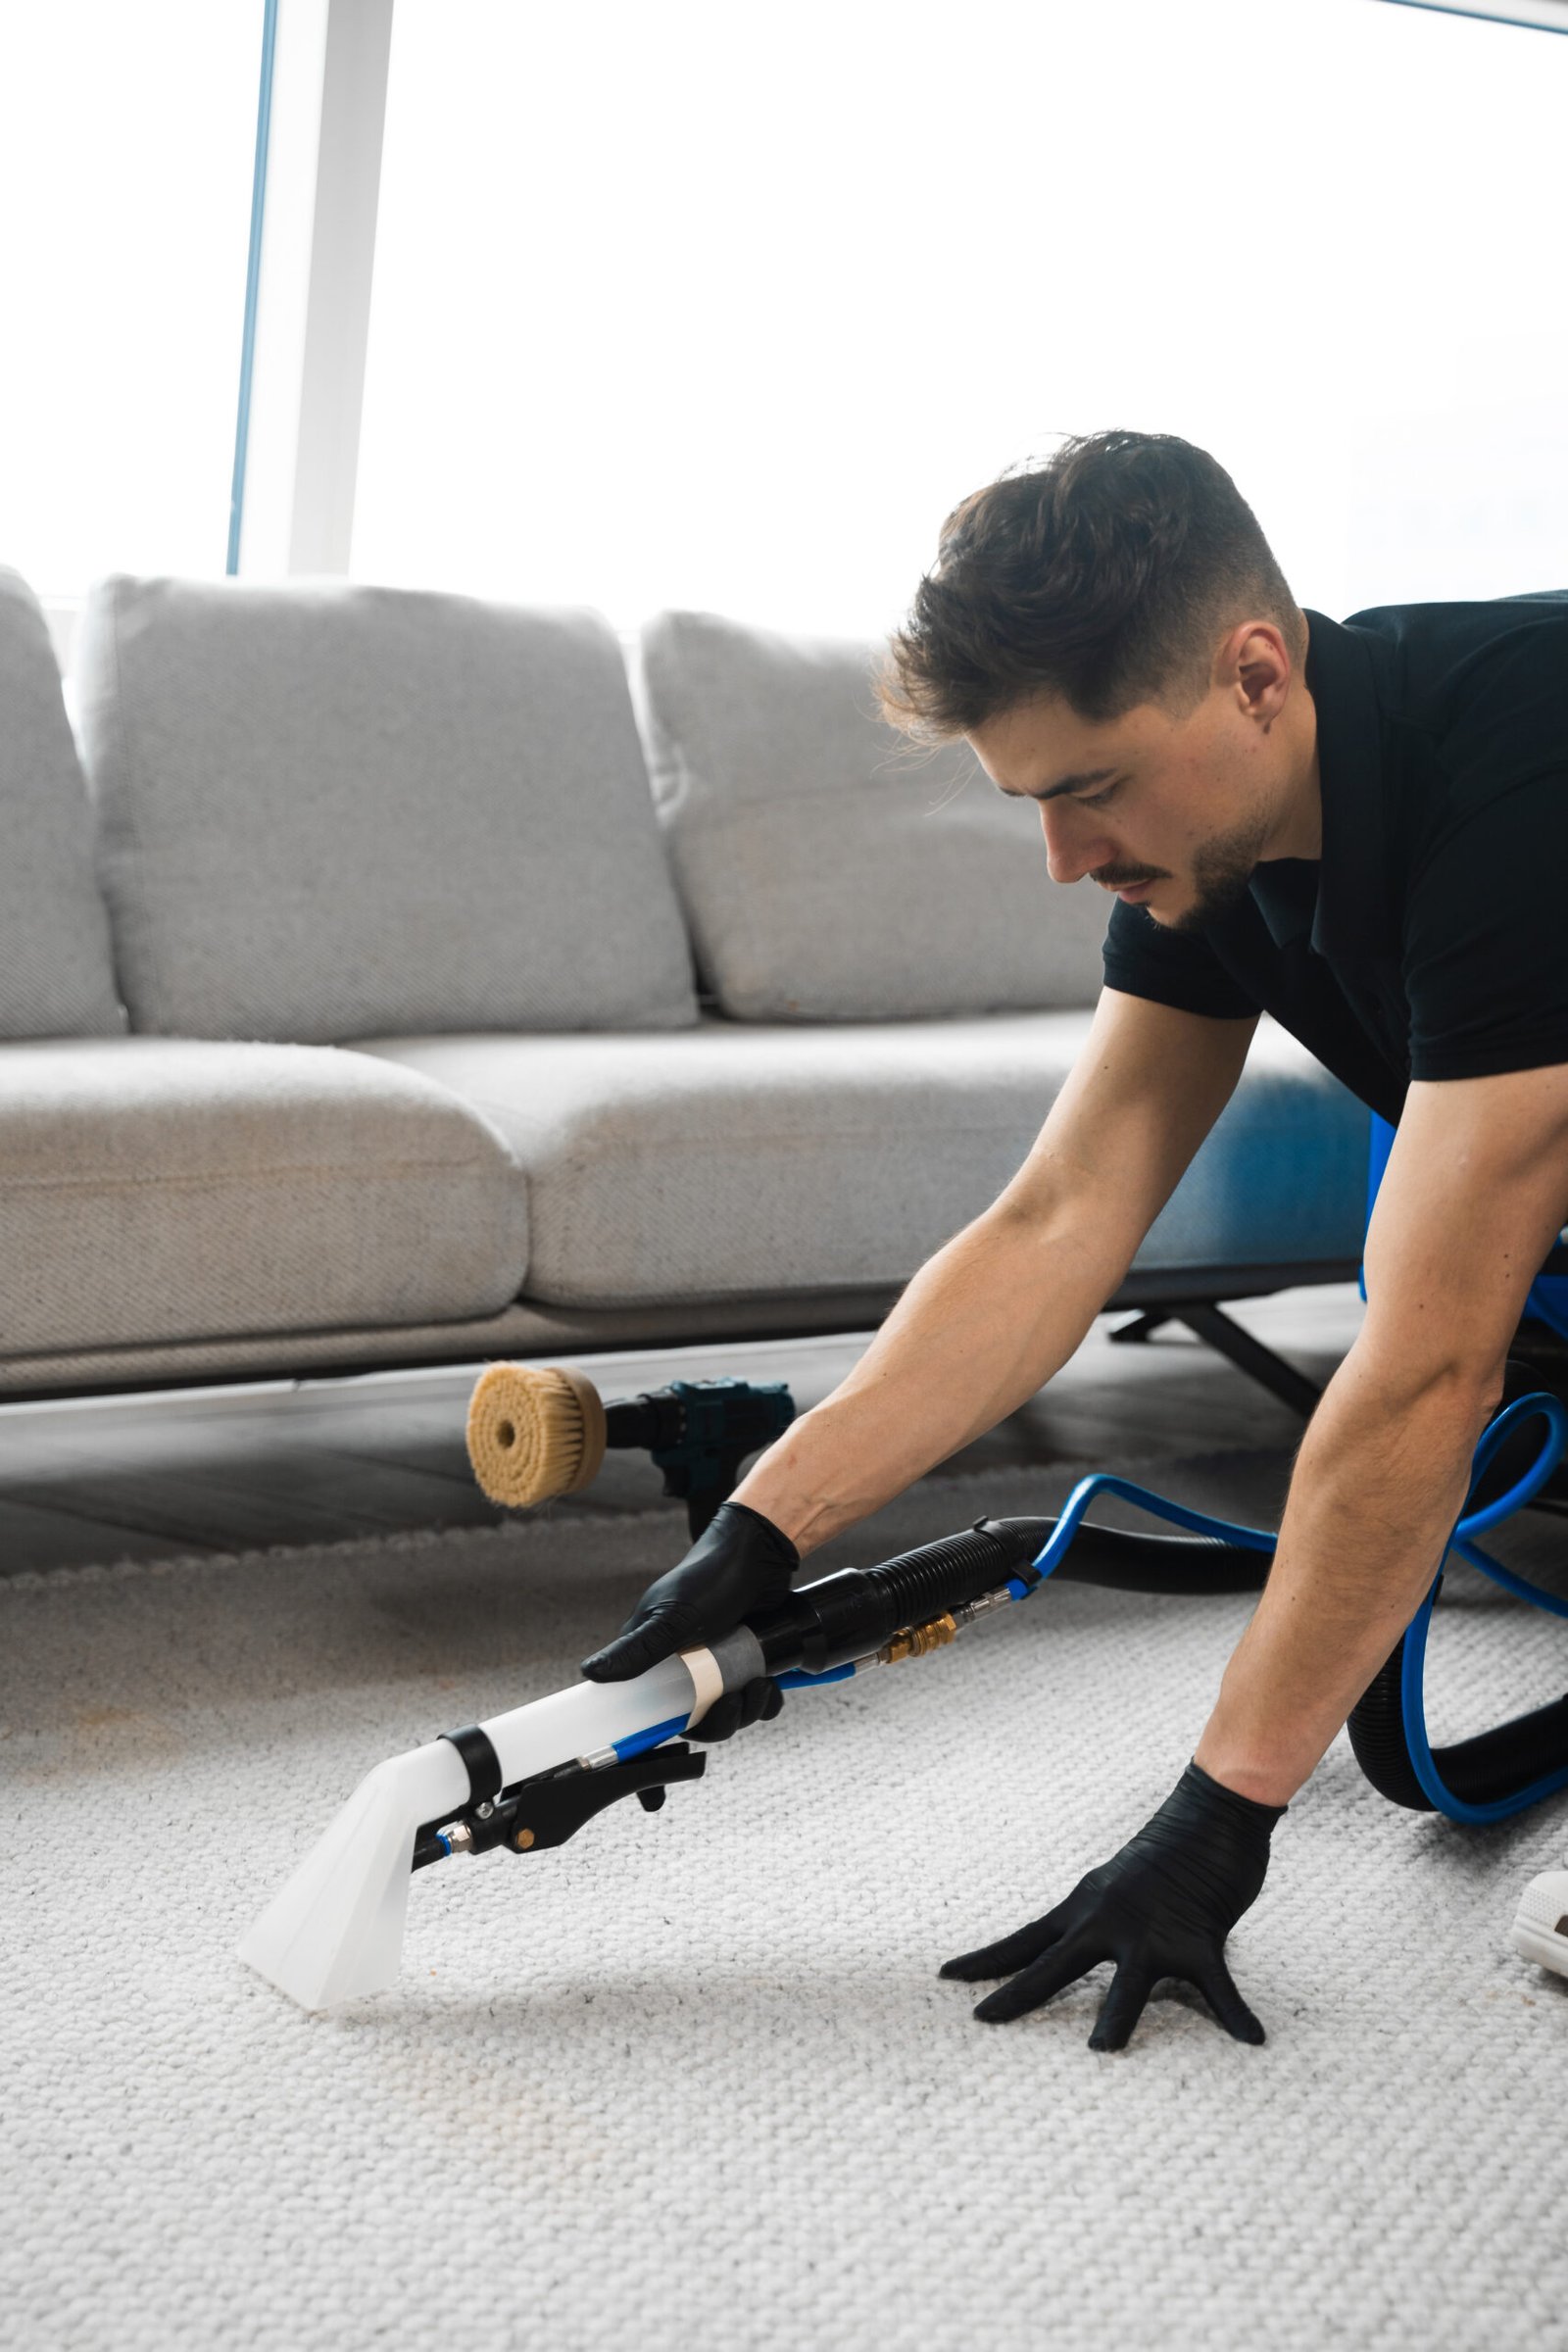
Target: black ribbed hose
{"points": [[848, 1615]]}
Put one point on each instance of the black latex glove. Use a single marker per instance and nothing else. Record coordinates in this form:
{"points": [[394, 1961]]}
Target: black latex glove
{"points": [[1162, 1907], [739, 1560]]}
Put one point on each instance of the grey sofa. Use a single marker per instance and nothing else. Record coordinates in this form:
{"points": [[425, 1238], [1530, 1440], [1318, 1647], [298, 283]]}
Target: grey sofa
{"points": [[393, 978]]}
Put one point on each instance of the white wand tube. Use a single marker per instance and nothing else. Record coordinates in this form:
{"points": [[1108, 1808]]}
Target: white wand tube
{"points": [[335, 1930]]}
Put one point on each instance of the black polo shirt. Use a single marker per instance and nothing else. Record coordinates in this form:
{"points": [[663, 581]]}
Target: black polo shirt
{"points": [[1429, 940]]}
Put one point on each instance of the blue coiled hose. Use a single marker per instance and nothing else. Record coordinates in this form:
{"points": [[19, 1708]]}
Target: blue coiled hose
{"points": [[1412, 1651], [1415, 1647]]}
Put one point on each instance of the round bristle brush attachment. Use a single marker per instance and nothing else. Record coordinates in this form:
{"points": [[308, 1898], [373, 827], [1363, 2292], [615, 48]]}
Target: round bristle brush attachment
{"points": [[534, 1431]]}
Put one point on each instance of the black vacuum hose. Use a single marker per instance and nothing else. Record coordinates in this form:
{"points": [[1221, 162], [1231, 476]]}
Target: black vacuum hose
{"points": [[847, 1614], [1479, 1771], [1133, 1564], [822, 1625]]}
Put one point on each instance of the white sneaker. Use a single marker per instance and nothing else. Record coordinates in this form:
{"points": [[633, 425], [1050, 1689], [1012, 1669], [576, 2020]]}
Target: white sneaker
{"points": [[1540, 1924]]}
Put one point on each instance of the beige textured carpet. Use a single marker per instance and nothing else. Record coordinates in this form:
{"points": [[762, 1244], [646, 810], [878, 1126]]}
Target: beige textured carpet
{"points": [[692, 2079]]}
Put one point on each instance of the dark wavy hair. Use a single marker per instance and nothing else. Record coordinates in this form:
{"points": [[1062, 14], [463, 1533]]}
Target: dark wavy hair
{"points": [[1104, 576]]}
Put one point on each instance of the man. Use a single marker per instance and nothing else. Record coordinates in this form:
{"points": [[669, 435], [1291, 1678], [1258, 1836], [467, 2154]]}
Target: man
{"points": [[1356, 827]]}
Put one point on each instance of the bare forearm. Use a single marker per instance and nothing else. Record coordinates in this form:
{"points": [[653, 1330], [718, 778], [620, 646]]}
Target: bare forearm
{"points": [[1374, 1496], [982, 1325]]}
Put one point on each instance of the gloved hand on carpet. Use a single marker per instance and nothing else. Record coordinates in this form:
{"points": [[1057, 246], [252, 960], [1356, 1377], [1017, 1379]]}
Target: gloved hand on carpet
{"points": [[739, 1560], [1162, 1907]]}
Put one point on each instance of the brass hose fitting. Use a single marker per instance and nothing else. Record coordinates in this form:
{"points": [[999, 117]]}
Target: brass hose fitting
{"points": [[917, 1640]]}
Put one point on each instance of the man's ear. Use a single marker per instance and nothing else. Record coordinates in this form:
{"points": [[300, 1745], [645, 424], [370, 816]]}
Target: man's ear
{"points": [[1263, 670], [1253, 663]]}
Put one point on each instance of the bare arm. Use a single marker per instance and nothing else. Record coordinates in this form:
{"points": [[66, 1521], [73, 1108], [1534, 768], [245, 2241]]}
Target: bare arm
{"points": [[1474, 1194], [1002, 1307]]}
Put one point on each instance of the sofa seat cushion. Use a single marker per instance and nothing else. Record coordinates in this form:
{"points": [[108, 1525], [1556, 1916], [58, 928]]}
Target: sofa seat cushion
{"points": [[329, 809], [828, 871], [159, 1189], [737, 1158], [56, 974]]}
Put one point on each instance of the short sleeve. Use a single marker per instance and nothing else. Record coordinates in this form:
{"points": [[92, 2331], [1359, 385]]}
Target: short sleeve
{"points": [[1144, 958], [1485, 948]]}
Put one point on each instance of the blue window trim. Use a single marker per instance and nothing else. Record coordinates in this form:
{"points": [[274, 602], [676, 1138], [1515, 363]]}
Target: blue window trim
{"points": [[1482, 15], [253, 267]]}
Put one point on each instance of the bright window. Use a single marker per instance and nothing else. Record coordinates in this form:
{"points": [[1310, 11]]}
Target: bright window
{"points": [[127, 138], [726, 307]]}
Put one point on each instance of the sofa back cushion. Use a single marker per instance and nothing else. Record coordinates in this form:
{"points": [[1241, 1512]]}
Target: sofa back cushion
{"points": [[330, 810], [56, 971], [828, 872]]}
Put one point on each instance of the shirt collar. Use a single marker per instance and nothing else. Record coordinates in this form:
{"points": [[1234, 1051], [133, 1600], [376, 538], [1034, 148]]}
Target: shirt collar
{"points": [[1342, 677], [1283, 891]]}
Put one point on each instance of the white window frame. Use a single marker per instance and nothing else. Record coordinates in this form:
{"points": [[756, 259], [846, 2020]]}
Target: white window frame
{"points": [[318, 195], [312, 319]]}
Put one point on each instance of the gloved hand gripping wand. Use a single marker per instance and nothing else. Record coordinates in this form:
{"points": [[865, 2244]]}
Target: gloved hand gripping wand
{"points": [[531, 1778]]}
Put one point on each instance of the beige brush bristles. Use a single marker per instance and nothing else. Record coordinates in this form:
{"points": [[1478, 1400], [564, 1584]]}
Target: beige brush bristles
{"points": [[534, 1431]]}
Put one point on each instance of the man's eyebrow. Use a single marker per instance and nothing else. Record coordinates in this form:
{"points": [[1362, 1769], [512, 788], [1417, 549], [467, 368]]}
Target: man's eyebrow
{"points": [[1093, 775]]}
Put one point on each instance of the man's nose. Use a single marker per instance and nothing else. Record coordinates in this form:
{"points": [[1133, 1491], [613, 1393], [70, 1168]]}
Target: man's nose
{"points": [[1074, 847]]}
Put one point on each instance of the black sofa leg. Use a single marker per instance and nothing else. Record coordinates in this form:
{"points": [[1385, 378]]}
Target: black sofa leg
{"points": [[1142, 1327], [1209, 1323]]}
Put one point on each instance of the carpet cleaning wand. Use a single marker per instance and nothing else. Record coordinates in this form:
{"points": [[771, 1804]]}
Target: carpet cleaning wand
{"points": [[532, 1777], [541, 1429]]}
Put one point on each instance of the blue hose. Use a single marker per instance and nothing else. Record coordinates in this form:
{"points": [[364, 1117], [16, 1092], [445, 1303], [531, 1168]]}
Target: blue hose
{"points": [[1461, 1541], [1256, 1538], [1466, 1528]]}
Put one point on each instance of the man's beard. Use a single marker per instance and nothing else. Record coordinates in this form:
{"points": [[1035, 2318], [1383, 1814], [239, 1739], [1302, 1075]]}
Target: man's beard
{"points": [[1221, 871]]}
